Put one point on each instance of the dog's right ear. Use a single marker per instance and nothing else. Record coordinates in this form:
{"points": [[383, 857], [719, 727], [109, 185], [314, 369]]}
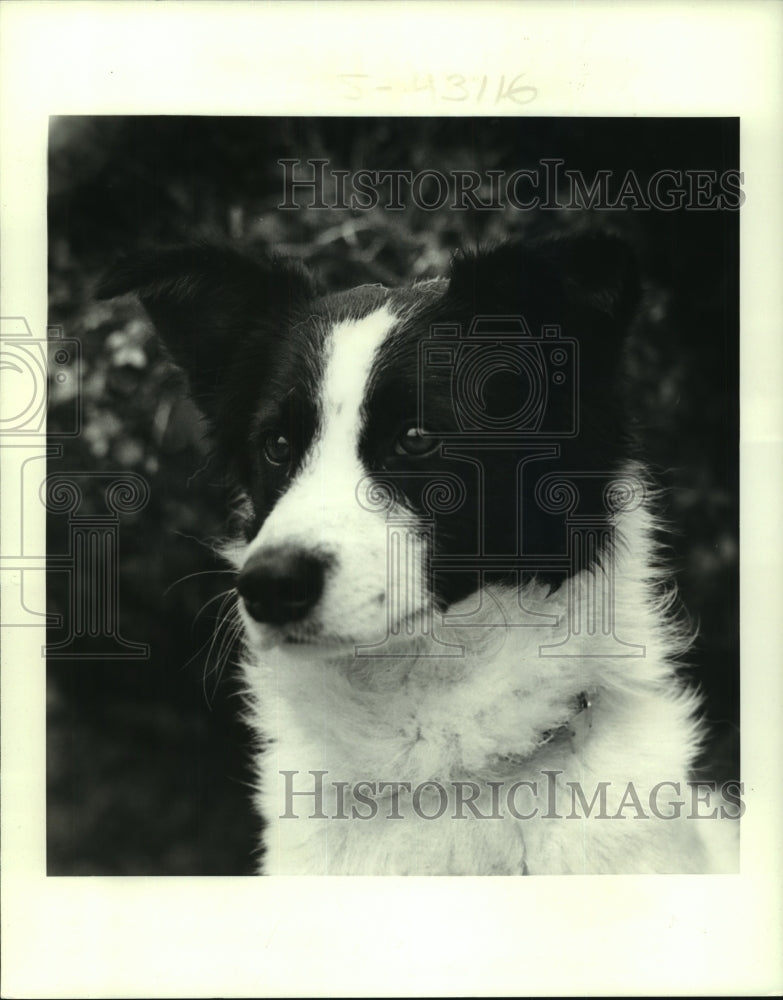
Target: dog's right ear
{"points": [[206, 301]]}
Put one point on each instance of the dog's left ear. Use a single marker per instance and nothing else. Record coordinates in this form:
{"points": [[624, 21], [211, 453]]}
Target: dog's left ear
{"points": [[207, 301], [590, 279]]}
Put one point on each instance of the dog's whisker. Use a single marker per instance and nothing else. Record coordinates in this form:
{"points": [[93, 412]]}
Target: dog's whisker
{"points": [[223, 597], [221, 621], [193, 576], [224, 638], [231, 634]]}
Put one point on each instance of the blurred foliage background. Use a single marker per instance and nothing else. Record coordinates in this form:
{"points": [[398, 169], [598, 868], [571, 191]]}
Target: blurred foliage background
{"points": [[147, 761]]}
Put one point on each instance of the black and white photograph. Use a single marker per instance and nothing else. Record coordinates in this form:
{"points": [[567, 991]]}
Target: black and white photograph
{"points": [[402, 516], [390, 436]]}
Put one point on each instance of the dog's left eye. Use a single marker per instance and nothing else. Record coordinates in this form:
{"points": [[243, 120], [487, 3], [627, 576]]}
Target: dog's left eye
{"points": [[416, 442], [277, 448]]}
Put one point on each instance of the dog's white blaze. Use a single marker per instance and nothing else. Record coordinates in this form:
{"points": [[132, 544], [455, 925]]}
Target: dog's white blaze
{"points": [[353, 347], [322, 510]]}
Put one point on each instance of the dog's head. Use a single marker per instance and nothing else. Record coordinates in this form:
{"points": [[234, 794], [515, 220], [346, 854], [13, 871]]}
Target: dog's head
{"points": [[392, 444]]}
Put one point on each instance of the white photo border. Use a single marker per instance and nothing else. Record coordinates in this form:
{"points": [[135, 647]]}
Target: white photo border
{"points": [[200, 937]]}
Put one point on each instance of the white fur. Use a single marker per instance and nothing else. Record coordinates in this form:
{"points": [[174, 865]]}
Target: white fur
{"points": [[479, 717]]}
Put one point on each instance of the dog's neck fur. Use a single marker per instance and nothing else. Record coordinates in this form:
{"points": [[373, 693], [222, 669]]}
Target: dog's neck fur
{"points": [[484, 717]]}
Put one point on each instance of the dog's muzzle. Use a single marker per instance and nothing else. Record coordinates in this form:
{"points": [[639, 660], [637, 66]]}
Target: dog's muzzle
{"points": [[281, 584]]}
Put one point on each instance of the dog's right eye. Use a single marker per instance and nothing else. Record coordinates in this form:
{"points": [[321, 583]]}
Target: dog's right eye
{"points": [[277, 448], [416, 442]]}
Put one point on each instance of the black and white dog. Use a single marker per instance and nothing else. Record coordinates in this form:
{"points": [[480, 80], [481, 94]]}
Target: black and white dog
{"points": [[459, 649]]}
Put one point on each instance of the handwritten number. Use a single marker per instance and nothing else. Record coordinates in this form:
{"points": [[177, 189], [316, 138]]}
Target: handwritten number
{"points": [[456, 86], [428, 84], [457, 80], [356, 91], [516, 92]]}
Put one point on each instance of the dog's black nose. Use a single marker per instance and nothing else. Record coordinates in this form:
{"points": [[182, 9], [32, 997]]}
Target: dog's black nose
{"points": [[281, 584]]}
